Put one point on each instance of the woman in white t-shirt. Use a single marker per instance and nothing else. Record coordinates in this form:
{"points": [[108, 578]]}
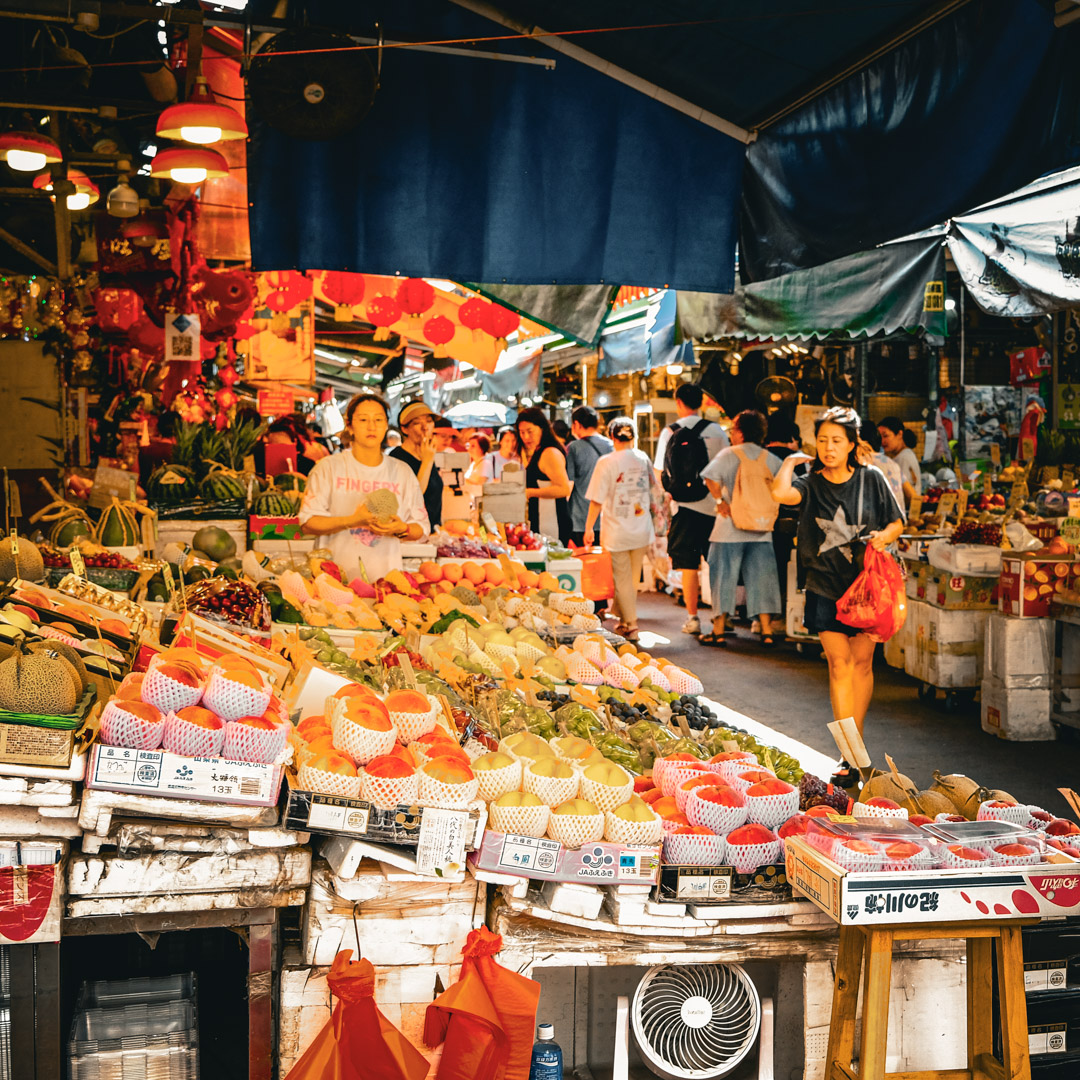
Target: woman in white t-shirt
{"points": [[619, 489], [360, 542], [894, 441]]}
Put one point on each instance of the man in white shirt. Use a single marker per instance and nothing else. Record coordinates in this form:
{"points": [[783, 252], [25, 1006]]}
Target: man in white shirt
{"points": [[694, 446]]}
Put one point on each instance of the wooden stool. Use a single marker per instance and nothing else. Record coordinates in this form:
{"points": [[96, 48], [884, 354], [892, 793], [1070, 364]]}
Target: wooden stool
{"points": [[866, 952]]}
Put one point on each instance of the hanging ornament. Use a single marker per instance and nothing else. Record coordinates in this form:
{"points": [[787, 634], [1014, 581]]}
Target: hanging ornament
{"points": [[288, 288], [439, 331], [345, 290], [471, 315], [226, 397], [117, 309], [500, 323], [415, 296], [221, 298], [228, 375], [382, 312]]}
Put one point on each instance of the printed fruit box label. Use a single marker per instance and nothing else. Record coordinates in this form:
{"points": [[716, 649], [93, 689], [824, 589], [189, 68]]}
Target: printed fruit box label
{"points": [[30, 903], [599, 863], [275, 528]]}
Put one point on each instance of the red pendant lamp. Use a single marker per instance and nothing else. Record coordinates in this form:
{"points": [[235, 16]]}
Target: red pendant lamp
{"points": [[189, 164], [27, 151], [86, 191], [201, 119]]}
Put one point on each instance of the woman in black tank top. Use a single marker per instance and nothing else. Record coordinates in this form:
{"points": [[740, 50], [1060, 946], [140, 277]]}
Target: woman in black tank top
{"points": [[547, 486]]}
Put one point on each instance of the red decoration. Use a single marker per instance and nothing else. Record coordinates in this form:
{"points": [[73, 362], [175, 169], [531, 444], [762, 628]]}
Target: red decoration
{"points": [[228, 375], [345, 290], [288, 288], [144, 335], [439, 330], [471, 314], [117, 309], [500, 322], [382, 312], [415, 296], [222, 297], [226, 397]]}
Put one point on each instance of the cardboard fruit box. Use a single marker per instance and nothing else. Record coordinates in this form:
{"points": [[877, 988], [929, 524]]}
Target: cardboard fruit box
{"points": [[599, 863], [274, 528], [707, 885], [1029, 586], [955, 592], [862, 898]]}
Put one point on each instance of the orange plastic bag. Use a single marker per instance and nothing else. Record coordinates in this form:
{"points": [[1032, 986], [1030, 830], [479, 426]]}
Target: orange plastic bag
{"points": [[486, 1019], [358, 1042], [875, 602], [597, 579]]}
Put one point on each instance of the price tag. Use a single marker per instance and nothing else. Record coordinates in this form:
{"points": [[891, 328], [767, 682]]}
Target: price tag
{"points": [[1027, 449], [1073, 508], [407, 669], [961, 503], [1019, 493], [995, 453], [946, 505], [915, 510], [15, 545], [988, 484], [78, 567], [1068, 480], [729, 746], [14, 500], [169, 583]]}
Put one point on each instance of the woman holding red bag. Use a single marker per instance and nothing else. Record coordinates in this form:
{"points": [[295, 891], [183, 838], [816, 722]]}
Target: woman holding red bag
{"points": [[844, 505]]}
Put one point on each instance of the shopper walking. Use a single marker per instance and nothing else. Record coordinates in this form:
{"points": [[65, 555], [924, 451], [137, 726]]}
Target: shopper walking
{"points": [[682, 452], [547, 487], [898, 443], [783, 439], [740, 478], [844, 505], [619, 495], [418, 448], [582, 454]]}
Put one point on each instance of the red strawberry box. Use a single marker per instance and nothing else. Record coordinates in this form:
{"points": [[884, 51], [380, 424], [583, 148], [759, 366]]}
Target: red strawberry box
{"points": [[1028, 587], [31, 897]]}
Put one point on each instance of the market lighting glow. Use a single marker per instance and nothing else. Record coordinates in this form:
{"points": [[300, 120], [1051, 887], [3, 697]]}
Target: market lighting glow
{"points": [[674, 369], [86, 191], [26, 160], [188, 176], [28, 151], [201, 119], [189, 164], [79, 201]]}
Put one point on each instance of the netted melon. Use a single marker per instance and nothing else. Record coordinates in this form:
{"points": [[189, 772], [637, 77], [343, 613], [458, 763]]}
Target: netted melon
{"points": [[964, 793], [997, 795], [884, 786], [382, 502], [38, 684], [70, 655], [31, 566]]}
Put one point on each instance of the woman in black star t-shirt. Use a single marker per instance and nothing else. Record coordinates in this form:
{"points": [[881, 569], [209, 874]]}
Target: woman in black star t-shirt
{"points": [[844, 505]]}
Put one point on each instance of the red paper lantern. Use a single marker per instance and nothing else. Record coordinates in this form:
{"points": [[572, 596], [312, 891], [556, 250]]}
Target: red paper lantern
{"points": [[117, 309], [287, 289], [439, 330], [345, 290], [226, 397], [382, 312], [500, 323], [471, 313], [228, 375], [415, 296]]}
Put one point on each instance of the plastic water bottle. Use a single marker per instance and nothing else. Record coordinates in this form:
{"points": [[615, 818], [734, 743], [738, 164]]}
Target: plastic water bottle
{"points": [[546, 1055]]}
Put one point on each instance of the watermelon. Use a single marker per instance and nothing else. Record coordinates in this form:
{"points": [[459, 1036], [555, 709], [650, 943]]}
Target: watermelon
{"points": [[171, 484], [274, 503], [291, 482], [117, 527], [221, 486], [216, 543]]}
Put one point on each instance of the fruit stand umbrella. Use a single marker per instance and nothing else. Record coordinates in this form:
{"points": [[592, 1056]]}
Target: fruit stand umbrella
{"points": [[480, 414]]}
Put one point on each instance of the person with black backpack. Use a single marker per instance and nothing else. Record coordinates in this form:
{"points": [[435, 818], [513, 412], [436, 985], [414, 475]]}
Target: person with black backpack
{"points": [[682, 452]]}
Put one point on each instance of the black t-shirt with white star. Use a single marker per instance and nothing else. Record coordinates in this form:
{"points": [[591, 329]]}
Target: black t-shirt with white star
{"points": [[832, 535]]}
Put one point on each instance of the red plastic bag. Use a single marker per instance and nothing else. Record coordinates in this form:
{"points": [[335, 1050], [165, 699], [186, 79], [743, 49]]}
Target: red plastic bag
{"points": [[875, 602]]}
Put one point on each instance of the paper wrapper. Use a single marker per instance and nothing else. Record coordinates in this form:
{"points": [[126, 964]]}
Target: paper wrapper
{"points": [[772, 810], [877, 813], [495, 782], [231, 700], [387, 792], [1017, 815], [746, 858], [676, 773], [721, 819], [604, 796], [519, 820], [949, 861], [551, 790], [620, 831], [857, 860], [362, 744], [167, 694], [436, 793], [574, 830], [998, 859], [191, 740], [411, 726], [243, 743], [688, 849], [119, 728], [328, 783]]}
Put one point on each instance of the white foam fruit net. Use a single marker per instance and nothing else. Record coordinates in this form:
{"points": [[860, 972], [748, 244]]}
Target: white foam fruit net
{"points": [[731, 767], [446, 796], [231, 700], [424, 752], [387, 792], [741, 783], [748, 857], [1001, 859], [519, 820], [328, 783], [604, 796], [411, 725], [1017, 815], [620, 831], [871, 813], [495, 782], [191, 740], [682, 682], [119, 728], [551, 790], [167, 694], [361, 743], [585, 622], [678, 772], [527, 653], [721, 819], [772, 810], [918, 860], [574, 830], [683, 793], [500, 651], [688, 849], [243, 743], [857, 860]]}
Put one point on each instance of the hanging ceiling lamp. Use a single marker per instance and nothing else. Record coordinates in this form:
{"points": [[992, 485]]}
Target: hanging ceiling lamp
{"points": [[189, 164], [86, 191], [201, 119], [26, 151]]}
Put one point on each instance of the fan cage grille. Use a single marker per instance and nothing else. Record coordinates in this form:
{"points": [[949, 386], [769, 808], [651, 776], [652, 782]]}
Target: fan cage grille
{"points": [[676, 1051]]}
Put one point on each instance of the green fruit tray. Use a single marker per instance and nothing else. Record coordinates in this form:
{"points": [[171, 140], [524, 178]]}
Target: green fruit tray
{"points": [[57, 723], [114, 579]]}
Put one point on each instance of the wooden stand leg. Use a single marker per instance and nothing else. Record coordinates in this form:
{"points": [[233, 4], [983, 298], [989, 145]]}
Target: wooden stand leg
{"points": [[1014, 1033], [979, 999], [845, 1002], [875, 1022]]}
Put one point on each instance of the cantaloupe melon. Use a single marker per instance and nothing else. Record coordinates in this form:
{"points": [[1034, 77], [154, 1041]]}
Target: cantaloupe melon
{"points": [[930, 803], [31, 565], [37, 684], [964, 793], [70, 655]]}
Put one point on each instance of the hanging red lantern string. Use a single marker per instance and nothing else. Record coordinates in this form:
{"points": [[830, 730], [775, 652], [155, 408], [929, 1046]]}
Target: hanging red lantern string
{"points": [[382, 312], [471, 315], [345, 291], [415, 296], [439, 331], [287, 289], [500, 323]]}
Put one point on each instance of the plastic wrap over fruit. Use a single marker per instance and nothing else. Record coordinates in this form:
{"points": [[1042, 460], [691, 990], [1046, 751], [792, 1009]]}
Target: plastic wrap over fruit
{"points": [[618, 750], [221, 600], [575, 719]]}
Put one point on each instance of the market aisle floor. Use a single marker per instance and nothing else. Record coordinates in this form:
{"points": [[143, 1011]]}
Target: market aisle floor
{"points": [[789, 691]]}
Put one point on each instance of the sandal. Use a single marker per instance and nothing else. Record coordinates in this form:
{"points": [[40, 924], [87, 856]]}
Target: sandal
{"points": [[767, 641], [714, 641]]}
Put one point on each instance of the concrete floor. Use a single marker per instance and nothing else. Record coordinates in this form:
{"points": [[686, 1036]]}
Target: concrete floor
{"points": [[789, 692]]}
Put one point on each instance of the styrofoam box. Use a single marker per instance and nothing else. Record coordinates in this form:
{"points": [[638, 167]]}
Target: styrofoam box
{"points": [[1019, 652], [943, 670], [1016, 713], [961, 633], [894, 649]]}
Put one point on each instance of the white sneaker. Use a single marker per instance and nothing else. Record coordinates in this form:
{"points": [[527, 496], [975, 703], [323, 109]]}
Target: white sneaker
{"points": [[692, 625]]}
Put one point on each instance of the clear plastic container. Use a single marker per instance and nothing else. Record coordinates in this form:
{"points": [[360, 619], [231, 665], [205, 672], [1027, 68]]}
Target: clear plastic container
{"points": [[117, 993], [163, 1019]]}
